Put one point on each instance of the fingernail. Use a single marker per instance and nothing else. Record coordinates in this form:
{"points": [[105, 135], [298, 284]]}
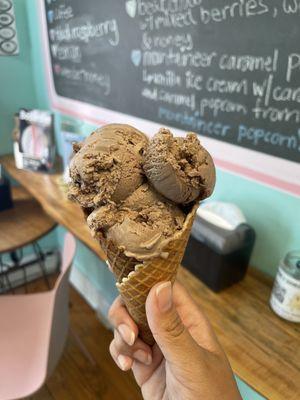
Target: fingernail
{"points": [[164, 296], [127, 334], [123, 362], [143, 357]]}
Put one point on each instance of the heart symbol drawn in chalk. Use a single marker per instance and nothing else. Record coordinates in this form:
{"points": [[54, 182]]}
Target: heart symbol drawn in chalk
{"points": [[136, 57], [131, 8]]}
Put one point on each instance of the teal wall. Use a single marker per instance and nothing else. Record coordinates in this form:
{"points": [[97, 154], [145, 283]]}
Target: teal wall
{"points": [[19, 91], [94, 269], [246, 392], [274, 215]]}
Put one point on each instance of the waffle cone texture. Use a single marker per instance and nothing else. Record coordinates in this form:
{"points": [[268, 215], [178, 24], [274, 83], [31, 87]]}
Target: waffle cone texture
{"points": [[136, 278]]}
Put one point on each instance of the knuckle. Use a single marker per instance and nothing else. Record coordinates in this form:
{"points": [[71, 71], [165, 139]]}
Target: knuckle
{"points": [[123, 348], [174, 327], [115, 311], [120, 345]]}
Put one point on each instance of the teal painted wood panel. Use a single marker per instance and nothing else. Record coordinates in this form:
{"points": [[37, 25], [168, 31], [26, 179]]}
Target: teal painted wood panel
{"points": [[272, 213], [247, 392], [16, 78]]}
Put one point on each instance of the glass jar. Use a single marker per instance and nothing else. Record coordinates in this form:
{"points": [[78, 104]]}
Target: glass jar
{"points": [[285, 296]]}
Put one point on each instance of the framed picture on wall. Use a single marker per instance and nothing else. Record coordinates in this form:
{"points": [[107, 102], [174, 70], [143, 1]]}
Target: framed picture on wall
{"points": [[34, 148]]}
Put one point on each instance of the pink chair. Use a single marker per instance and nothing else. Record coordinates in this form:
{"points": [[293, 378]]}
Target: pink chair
{"points": [[33, 332]]}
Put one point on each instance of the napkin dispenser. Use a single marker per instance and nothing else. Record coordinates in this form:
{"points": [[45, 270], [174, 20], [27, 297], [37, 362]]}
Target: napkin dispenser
{"points": [[217, 253]]}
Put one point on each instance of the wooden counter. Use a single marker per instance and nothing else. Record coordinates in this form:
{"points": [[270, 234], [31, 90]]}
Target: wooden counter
{"points": [[263, 350]]}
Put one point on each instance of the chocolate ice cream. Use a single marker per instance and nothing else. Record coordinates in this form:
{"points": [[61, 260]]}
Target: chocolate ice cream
{"points": [[179, 168], [107, 166], [140, 225], [108, 171]]}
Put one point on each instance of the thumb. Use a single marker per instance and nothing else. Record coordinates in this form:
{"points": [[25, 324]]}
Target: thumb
{"points": [[169, 332]]}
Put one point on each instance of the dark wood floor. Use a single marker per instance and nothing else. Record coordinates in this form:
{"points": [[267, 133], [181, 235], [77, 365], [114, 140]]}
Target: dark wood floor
{"points": [[86, 370]]}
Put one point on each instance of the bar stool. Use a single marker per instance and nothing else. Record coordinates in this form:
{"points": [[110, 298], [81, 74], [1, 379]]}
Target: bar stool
{"points": [[20, 226]]}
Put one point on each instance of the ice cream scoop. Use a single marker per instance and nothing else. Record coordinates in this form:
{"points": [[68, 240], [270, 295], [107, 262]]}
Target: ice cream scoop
{"points": [[107, 165], [140, 225], [179, 168]]}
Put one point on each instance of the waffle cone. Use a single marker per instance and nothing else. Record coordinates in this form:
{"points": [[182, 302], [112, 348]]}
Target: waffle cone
{"points": [[135, 289]]}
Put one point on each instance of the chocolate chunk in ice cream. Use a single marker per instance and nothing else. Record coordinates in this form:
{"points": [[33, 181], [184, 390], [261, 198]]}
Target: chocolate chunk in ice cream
{"points": [[140, 225], [179, 168], [107, 165]]}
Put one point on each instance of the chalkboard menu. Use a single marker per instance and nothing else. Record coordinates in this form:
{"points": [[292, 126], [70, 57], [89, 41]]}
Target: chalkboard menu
{"points": [[229, 70]]}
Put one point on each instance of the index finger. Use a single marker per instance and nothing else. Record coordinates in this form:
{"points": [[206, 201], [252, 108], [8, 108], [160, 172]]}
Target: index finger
{"points": [[122, 321]]}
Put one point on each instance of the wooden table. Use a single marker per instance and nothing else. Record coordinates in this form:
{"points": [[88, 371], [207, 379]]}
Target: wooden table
{"points": [[263, 350]]}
